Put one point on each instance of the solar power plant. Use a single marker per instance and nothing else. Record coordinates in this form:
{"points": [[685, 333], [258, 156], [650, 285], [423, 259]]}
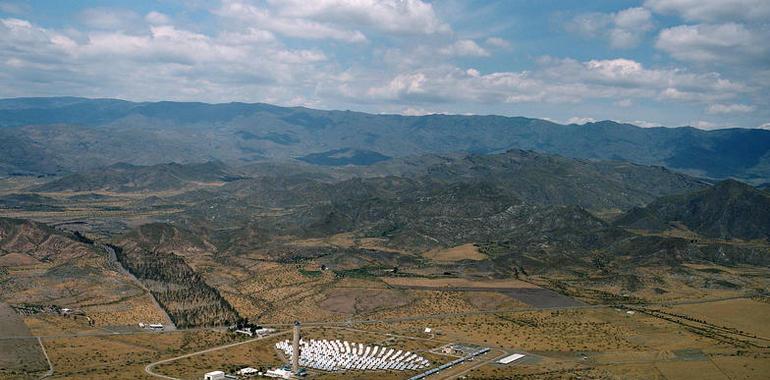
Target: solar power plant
{"points": [[336, 355]]}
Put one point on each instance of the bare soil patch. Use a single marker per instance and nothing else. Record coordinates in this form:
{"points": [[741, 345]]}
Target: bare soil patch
{"points": [[742, 314], [356, 301], [458, 253]]}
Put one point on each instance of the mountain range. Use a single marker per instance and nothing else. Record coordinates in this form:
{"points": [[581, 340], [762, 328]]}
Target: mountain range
{"points": [[44, 136]]}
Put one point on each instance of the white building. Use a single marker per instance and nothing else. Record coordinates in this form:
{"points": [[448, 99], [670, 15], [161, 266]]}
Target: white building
{"points": [[214, 375], [248, 371], [510, 358], [278, 373]]}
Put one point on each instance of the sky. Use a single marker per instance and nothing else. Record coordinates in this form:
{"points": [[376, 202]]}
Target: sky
{"points": [[703, 63]]}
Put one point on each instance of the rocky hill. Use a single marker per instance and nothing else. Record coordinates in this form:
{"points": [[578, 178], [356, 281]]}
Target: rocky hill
{"points": [[728, 210], [124, 177], [44, 266]]}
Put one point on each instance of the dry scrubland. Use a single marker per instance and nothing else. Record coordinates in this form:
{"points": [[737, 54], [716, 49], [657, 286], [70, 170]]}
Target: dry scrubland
{"points": [[281, 293], [124, 356]]}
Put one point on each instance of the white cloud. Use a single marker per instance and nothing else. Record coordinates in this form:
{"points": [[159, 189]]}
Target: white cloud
{"points": [[713, 10], [726, 43], [729, 108], [580, 120], [343, 20], [630, 25], [416, 111], [645, 124], [394, 16], [707, 125], [252, 15], [623, 29], [159, 62], [498, 42], [555, 81], [157, 18], [464, 48]]}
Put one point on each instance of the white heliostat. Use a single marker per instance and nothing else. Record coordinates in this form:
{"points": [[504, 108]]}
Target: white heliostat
{"points": [[335, 355]]}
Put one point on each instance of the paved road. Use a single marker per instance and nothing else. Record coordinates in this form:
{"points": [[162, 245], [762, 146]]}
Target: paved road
{"points": [[149, 368]]}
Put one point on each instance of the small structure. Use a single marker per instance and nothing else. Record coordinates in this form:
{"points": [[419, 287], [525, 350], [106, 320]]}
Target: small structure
{"points": [[279, 373], [245, 332], [247, 372], [263, 331], [428, 330], [214, 375], [510, 358]]}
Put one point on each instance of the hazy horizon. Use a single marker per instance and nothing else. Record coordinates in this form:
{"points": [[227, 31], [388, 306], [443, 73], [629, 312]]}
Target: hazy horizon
{"points": [[648, 63]]}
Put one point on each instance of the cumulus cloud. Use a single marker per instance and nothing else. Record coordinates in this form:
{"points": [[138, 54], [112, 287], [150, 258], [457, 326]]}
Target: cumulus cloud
{"points": [[344, 20], [465, 48], [713, 10], [160, 61], [630, 26], [253, 15], [623, 29], [729, 108], [396, 16], [723, 43], [556, 81]]}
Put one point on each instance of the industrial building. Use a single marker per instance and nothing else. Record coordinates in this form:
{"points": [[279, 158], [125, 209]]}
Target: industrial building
{"points": [[510, 358]]}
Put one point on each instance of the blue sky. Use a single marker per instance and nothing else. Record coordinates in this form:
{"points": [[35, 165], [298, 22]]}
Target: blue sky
{"points": [[704, 63]]}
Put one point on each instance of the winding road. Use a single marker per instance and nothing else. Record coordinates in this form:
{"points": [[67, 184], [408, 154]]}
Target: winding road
{"points": [[149, 368]]}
